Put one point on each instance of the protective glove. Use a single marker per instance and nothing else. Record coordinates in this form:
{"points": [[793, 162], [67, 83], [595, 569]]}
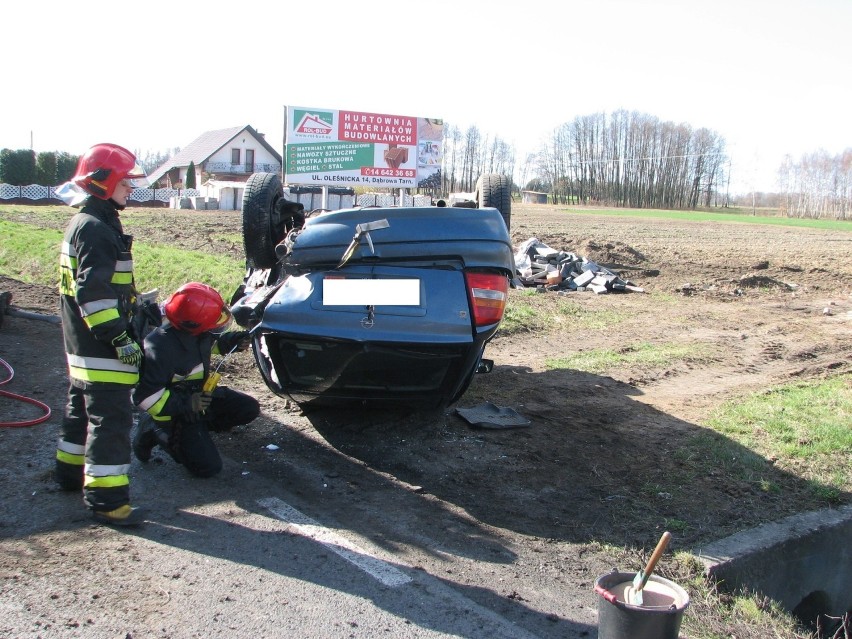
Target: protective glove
{"points": [[127, 350], [200, 402], [233, 340]]}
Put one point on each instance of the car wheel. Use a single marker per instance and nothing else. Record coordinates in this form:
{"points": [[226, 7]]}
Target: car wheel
{"points": [[496, 191], [261, 226]]}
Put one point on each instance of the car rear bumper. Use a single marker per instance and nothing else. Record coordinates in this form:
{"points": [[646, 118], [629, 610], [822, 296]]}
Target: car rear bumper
{"points": [[311, 370]]}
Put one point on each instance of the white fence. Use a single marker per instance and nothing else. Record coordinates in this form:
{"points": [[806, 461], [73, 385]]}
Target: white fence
{"points": [[313, 201], [393, 199], [38, 192], [175, 196]]}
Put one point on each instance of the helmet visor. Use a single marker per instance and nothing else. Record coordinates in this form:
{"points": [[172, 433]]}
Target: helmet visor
{"points": [[223, 321], [137, 177]]}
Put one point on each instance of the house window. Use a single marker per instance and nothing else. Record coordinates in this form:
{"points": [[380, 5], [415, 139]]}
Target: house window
{"points": [[249, 160], [235, 156]]}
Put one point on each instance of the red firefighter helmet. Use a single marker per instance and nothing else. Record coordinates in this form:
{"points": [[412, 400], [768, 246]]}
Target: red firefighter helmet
{"points": [[102, 167], [197, 308]]}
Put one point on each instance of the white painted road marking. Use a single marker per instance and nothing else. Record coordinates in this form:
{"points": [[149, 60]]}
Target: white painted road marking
{"points": [[379, 570]]}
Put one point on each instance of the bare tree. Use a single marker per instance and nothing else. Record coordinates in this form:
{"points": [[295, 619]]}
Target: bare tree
{"points": [[818, 186], [452, 159], [633, 159]]}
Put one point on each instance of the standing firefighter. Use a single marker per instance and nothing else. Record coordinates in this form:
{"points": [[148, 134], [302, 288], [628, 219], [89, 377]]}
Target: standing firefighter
{"points": [[97, 301], [178, 389]]}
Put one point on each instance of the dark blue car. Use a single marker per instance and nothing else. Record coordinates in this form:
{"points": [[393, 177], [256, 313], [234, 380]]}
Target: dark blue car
{"points": [[375, 305]]}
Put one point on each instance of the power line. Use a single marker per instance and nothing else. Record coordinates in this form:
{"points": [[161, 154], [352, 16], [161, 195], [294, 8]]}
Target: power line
{"points": [[650, 159]]}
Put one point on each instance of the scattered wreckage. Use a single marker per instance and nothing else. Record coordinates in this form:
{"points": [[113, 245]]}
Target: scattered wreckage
{"points": [[540, 265]]}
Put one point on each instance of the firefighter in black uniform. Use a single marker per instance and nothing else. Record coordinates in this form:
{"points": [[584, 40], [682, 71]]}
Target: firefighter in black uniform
{"points": [[179, 412], [97, 301]]}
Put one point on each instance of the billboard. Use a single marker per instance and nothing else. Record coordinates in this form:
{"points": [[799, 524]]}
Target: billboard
{"points": [[330, 147]]}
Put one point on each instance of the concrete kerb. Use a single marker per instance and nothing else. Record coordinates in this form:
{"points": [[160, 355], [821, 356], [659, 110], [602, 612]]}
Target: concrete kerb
{"points": [[804, 562]]}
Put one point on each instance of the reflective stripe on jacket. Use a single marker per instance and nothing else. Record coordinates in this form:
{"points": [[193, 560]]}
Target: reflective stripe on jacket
{"points": [[175, 366]]}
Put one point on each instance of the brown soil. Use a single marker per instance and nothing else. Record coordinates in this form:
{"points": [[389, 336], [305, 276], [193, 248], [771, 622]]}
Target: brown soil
{"points": [[607, 457]]}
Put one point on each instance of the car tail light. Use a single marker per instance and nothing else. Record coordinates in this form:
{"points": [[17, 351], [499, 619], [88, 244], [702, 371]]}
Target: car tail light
{"points": [[488, 295]]}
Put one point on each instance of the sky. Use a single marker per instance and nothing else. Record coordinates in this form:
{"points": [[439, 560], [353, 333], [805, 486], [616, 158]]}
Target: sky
{"points": [[771, 77]]}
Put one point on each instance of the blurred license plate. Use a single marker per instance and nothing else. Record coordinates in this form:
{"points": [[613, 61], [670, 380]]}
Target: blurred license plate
{"points": [[364, 292]]}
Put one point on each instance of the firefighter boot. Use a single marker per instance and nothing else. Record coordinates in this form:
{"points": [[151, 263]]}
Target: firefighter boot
{"points": [[145, 440], [164, 437], [125, 515]]}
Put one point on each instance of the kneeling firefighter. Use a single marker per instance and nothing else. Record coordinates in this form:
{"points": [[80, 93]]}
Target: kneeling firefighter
{"points": [[180, 408]]}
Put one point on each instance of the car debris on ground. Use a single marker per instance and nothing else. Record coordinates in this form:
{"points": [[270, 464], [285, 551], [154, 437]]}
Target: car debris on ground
{"points": [[488, 415], [541, 266]]}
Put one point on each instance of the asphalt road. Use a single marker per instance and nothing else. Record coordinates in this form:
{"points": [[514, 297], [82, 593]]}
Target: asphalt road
{"points": [[240, 556]]}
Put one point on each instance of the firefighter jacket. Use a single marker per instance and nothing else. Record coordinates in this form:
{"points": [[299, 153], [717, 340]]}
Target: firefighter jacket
{"points": [[97, 295], [175, 366]]}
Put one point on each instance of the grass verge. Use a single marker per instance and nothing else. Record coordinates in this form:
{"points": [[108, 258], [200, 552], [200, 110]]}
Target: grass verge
{"points": [[643, 354], [529, 311], [802, 428], [740, 216], [31, 254]]}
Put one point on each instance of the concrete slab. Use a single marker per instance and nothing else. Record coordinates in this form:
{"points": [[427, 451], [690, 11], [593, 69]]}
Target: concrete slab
{"points": [[803, 562]]}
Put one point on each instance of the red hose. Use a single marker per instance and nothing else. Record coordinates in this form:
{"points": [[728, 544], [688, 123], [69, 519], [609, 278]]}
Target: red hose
{"points": [[43, 406]]}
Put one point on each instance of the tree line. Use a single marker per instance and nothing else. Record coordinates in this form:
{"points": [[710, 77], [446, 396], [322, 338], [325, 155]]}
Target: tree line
{"points": [[818, 186], [626, 159], [23, 167], [469, 154]]}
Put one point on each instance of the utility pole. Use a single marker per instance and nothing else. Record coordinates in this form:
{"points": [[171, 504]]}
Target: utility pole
{"points": [[728, 185], [284, 150]]}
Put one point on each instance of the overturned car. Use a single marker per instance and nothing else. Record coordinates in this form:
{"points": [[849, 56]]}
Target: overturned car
{"points": [[374, 305]]}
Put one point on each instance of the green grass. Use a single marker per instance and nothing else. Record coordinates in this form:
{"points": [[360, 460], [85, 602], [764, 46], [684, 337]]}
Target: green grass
{"points": [[804, 427], [743, 216], [643, 354], [727, 457], [529, 311], [167, 269], [31, 254]]}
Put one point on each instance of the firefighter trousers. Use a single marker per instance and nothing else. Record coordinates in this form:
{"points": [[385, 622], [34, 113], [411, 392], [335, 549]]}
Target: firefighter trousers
{"points": [[191, 442], [93, 452]]}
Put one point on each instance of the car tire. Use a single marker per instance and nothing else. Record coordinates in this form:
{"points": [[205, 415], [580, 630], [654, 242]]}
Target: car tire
{"points": [[495, 191], [261, 227]]}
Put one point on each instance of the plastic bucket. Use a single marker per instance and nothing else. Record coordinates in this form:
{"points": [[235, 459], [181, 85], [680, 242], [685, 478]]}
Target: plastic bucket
{"points": [[658, 617]]}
